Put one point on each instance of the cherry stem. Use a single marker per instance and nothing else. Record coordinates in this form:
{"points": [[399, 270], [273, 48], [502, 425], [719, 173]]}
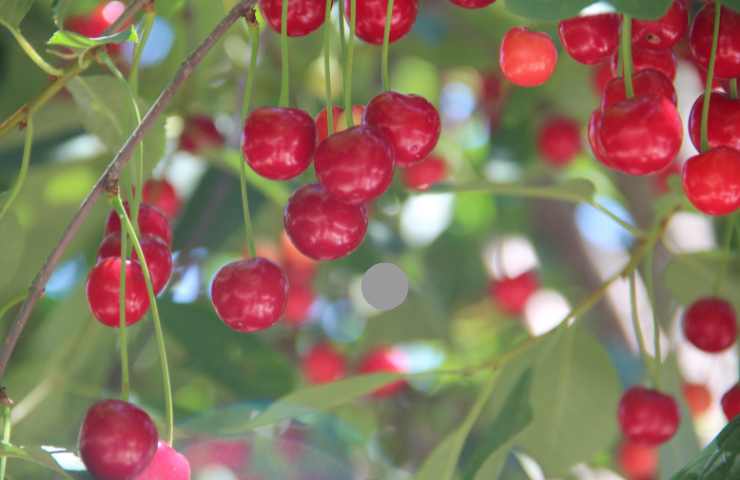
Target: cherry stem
{"points": [[285, 68], [327, 68], [25, 161], [348, 64], [727, 249], [637, 327], [32, 53], [133, 77], [7, 427], [159, 333], [648, 268], [733, 88], [254, 35], [386, 45], [625, 53], [710, 78], [342, 42], [122, 341]]}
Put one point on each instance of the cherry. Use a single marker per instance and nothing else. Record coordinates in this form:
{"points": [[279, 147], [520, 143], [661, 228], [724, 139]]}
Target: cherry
{"points": [[157, 254], [637, 461], [103, 289], [724, 121], [300, 299], [355, 165], [278, 143], [698, 398], [727, 64], [526, 58], [647, 416], [424, 174], [597, 149], [385, 359], [664, 32], [473, 3], [710, 325], [371, 14], [166, 464], [590, 39], [731, 402], [511, 294], [602, 73], [151, 222], [320, 226], [231, 454], [162, 195], [408, 122], [249, 295], [643, 58], [711, 181], [199, 134], [559, 140], [304, 16], [323, 364], [340, 120], [117, 440], [645, 82], [640, 135], [95, 23]]}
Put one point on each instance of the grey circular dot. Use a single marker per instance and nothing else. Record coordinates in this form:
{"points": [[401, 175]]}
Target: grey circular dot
{"points": [[385, 286]]}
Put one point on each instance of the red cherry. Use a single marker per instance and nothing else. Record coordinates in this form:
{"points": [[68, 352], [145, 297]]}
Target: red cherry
{"points": [[727, 64], [664, 32], [511, 294], [278, 143], [660, 180], [385, 359], [492, 93], [166, 464], [640, 135], [711, 181], [117, 440], [304, 16], [199, 134], [597, 149], [231, 454], [559, 140], [300, 299], [322, 227], [710, 325], [424, 174], [592, 38], [323, 364], [602, 73], [408, 122], [663, 61], [322, 122], [249, 295], [151, 222], [95, 23], [527, 58], [731, 402], [103, 289], [637, 461], [647, 416], [355, 165], [162, 195], [473, 3], [698, 398], [157, 254], [371, 14], [644, 82], [724, 121]]}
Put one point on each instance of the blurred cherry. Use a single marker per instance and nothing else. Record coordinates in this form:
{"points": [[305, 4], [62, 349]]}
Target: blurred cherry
{"points": [[304, 16], [710, 324], [645, 82], [167, 464], [723, 128], [698, 398], [559, 140], [151, 222], [385, 359], [601, 75], [527, 58], [95, 23], [424, 174], [664, 32], [371, 15], [731, 402], [511, 294], [648, 417], [199, 134], [103, 291], [638, 461], [300, 299], [157, 254], [323, 364], [162, 195], [590, 39], [727, 64], [711, 181]]}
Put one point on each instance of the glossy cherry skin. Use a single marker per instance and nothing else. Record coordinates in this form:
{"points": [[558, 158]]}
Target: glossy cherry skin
{"points": [[637, 461], [559, 140], [385, 359], [723, 128], [151, 222], [511, 294], [199, 134], [473, 3], [323, 364], [300, 299], [371, 14], [424, 174], [157, 254], [103, 289], [644, 82], [117, 440], [527, 58], [590, 39], [710, 325], [664, 61], [355, 166], [698, 398], [249, 295], [647, 416], [731, 402], [727, 64], [278, 143], [320, 226], [711, 181], [163, 196], [640, 135], [166, 464], [408, 122], [304, 16], [664, 32]]}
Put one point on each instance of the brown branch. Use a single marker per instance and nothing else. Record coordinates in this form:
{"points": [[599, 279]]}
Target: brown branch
{"points": [[110, 177]]}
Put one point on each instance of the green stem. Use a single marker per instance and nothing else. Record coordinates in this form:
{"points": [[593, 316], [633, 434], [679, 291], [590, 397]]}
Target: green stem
{"points": [[386, 45], [12, 303], [342, 42], [636, 325], [248, 91], [625, 53], [7, 426], [133, 77], [122, 340], [348, 64], [248, 230], [285, 77], [727, 248], [327, 68], [254, 37], [733, 88], [25, 161], [710, 79], [32, 53]]}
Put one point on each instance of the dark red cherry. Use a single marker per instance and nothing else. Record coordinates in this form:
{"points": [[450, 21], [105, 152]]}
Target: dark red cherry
{"points": [[731, 402], [278, 143], [644, 82], [559, 140], [355, 165], [117, 440], [473, 3], [723, 128], [640, 135], [385, 359], [711, 181], [323, 364], [320, 226], [527, 58], [727, 64], [710, 324], [597, 149], [304, 16], [103, 289], [590, 39], [151, 222], [200, 133], [664, 32], [408, 122], [162, 195], [647, 416], [511, 294], [371, 14], [424, 174], [157, 254], [249, 295], [643, 58], [167, 464], [300, 299]]}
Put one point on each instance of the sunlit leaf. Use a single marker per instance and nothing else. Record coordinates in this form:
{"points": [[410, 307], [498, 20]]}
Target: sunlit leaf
{"points": [[65, 38]]}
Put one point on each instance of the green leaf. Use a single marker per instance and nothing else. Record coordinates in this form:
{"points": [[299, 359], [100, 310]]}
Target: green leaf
{"points": [[733, 4], [652, 9], [14, 243], [720, 460], [13, 11], [547, 9], [692, 276], [34, 455], [74, 40]]}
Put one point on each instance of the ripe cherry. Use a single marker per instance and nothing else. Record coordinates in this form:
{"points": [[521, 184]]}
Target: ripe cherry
{"points": [[527, 58], [355, 165], [322, 227], [601, 75], [385, 359], [371, 15], [663, 61], [249, 295], [300, 299], [698, 398], [731, 402], [597, 149], [710, 324], [590, 39], [103, 289], [473, 3], [723, 128], [304, 16], [711, 181], [157, 254], [664, 32], [727, 64], [424, 174], [199, 134], [151, 222], [323, 364], [645, 82], [162, 195], [647, 416], [166, 464], [408, 122], [511, 294], [117, 440], [278, 143], [559, 140], [637, 461]]}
